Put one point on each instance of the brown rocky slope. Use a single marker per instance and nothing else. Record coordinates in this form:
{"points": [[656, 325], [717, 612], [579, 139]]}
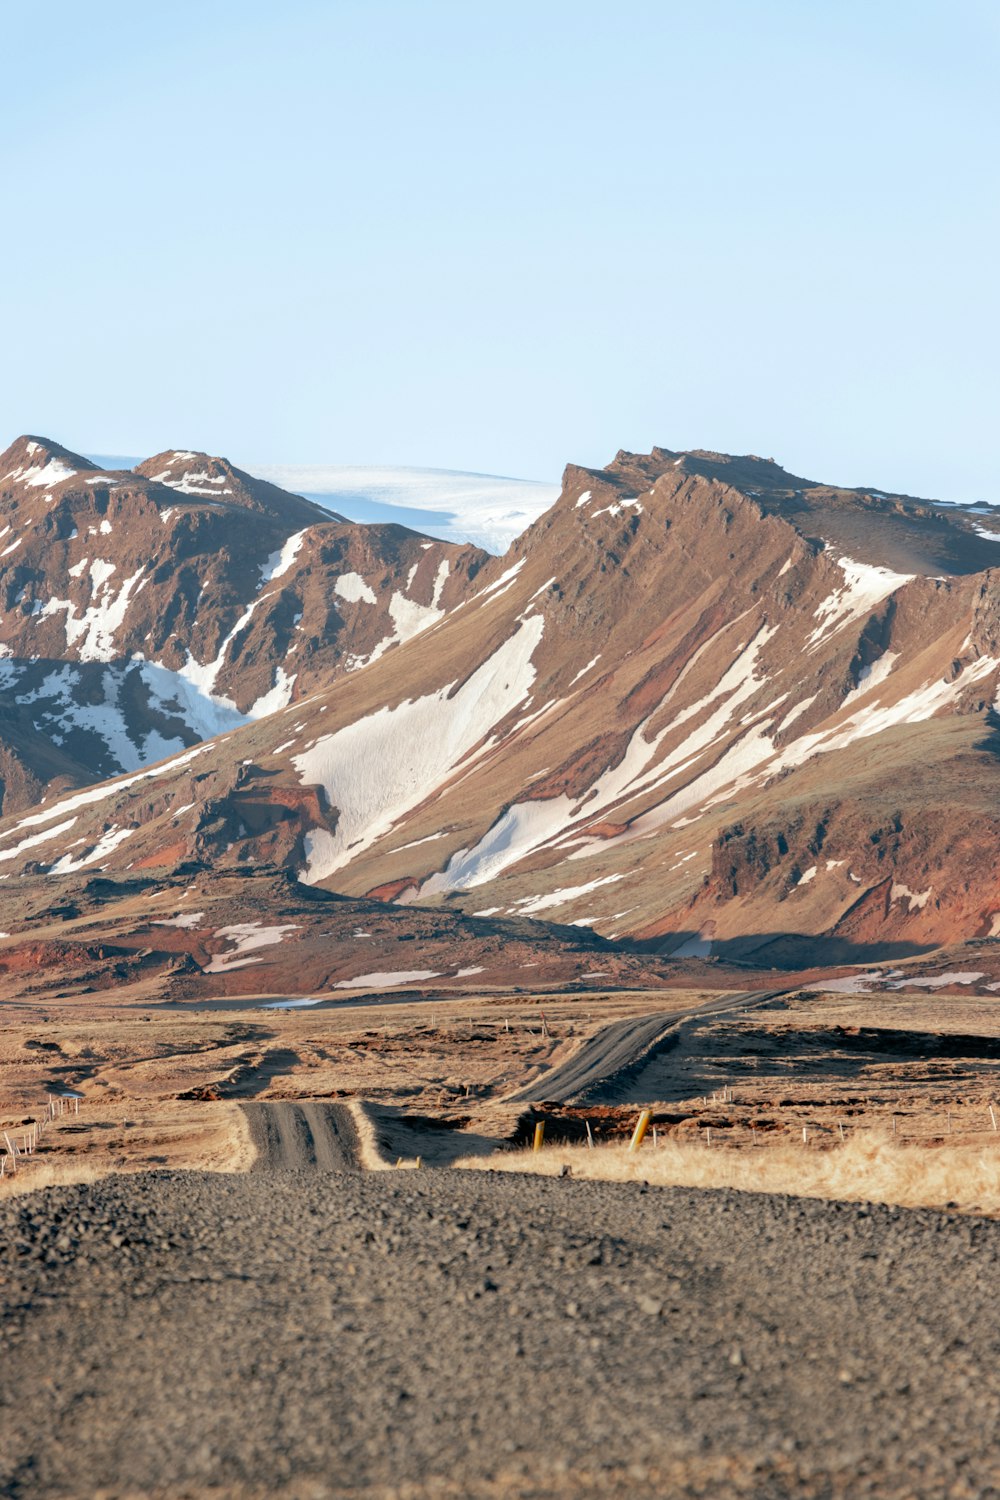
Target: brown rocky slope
{"points": [[701, 705], [142, 611]]}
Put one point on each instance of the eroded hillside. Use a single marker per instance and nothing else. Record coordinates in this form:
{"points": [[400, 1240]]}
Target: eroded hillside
{"points": [[702, 705]]}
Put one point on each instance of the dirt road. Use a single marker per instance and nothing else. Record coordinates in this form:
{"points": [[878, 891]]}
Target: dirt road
{"points": [[616, 1051], [290, 1136], [467, 1336]]}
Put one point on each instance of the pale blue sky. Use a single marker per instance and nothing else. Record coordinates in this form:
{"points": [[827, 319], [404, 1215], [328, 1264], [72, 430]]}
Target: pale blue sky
{"points": [[502, 236]]}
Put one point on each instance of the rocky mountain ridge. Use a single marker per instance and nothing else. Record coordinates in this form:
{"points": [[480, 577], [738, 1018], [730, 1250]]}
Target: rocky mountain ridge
{"points": [[702, 707], [144, 610]]}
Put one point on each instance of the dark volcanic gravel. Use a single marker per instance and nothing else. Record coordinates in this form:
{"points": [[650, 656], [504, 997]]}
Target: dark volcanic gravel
{"points": [[432, 1333]]}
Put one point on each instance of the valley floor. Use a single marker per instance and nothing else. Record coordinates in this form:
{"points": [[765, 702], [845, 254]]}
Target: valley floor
{"points": [[799, 1091]]}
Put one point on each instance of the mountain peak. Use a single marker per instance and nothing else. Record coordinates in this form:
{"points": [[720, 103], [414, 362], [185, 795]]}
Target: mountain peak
{"points": [[874, 527], [215, 481], [41, 463]]}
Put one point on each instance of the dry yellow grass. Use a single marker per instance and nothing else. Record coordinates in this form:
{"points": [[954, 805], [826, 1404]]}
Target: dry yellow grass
{"points": [[390, 1137], [869, 1167], [43, 1174], [366, 1122], [211, 1136]]}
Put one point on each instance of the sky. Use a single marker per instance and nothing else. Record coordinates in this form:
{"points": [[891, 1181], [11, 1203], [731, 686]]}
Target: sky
{"points": [[501, 237]]}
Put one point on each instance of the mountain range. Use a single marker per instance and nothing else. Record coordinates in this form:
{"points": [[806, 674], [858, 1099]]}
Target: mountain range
{"points": [[701, 710], [489, 510]]}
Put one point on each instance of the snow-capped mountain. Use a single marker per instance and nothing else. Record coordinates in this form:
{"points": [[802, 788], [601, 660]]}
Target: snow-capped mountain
{"points": [[701, 705], [488, 510], [144, 610]]}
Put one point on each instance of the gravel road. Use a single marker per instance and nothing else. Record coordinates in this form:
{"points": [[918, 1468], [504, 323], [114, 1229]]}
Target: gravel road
{"points": [[614, 1053], [312, 1134], [444, 1334]]}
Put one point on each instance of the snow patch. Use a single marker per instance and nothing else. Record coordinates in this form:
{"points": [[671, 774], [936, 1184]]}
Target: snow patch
{"points": [[279, 696], [196, 482], [503, 583], [863, 589], [352, 587], [378, 768], [917, 899], [279, 562], [584, 670], [871, 676], [519, 830], [95, 627], [106, 844], [616, 508], [695, 946], [36, 838], [444, 568], [246, 936], [385, 981], [938, 981], [529, 905], [44, 476]]}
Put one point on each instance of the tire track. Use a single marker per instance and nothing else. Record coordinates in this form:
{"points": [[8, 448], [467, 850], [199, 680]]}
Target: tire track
{"points": [[313, 1134], [619, 1049]]}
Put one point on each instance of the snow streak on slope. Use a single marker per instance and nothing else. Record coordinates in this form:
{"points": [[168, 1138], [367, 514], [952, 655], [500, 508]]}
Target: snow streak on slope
{"points": [[482, 508], [522, 828], [105, 846], [728, 748], [279, 562], [98, 623], [101, 792], [380, 767], [863, 589], [875, 718], [527, 825]]}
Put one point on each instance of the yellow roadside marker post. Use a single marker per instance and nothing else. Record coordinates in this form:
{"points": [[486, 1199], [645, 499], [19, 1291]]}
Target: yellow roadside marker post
{"points": [[641, 1126], [539, 1136]]}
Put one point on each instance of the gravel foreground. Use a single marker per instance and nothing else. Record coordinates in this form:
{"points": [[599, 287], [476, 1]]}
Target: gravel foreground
{"points": [[421, 1334]]}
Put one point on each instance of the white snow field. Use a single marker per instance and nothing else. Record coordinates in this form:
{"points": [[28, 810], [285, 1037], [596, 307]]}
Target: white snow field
{"points": [[483, 508]]}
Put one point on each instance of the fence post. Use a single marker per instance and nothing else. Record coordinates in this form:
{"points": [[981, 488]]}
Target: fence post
{"points": [[641, 1126]]}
